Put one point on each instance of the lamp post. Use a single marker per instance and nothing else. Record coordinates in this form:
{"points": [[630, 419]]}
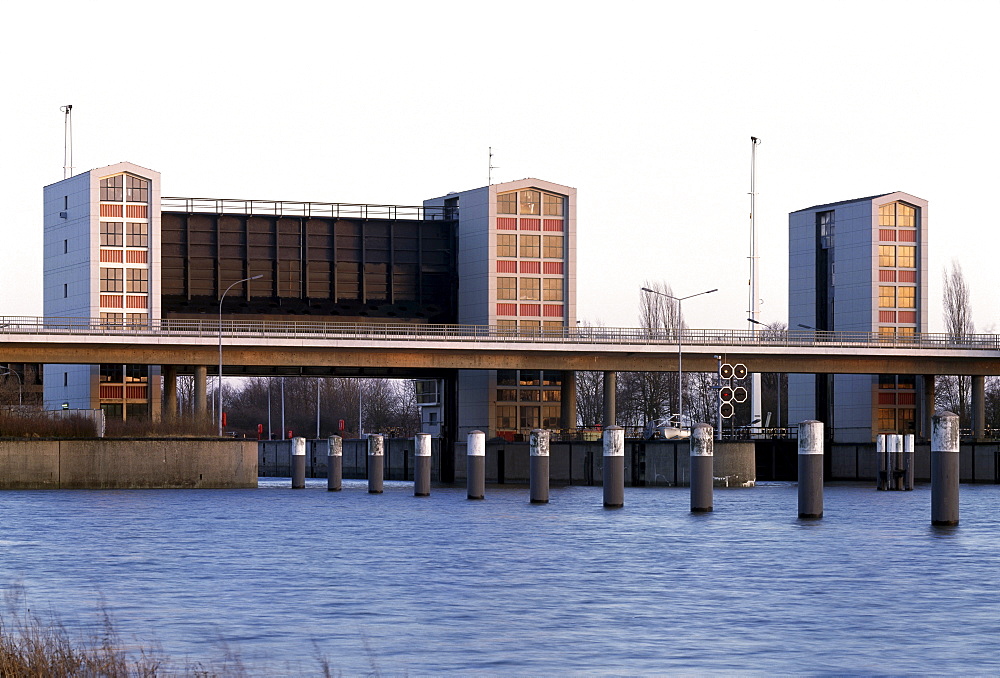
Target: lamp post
{"points": [[218, 415], [680, 359], [20, 385]]}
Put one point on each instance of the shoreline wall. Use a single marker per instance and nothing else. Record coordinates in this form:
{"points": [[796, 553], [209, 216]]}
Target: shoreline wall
{"points": [[111, 464]]}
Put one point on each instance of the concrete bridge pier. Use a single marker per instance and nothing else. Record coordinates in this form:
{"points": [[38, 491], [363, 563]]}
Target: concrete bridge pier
{"points": [[610, 407], [979, 407], [169, 392], [568, 398], [928, 407], [200, 392]]}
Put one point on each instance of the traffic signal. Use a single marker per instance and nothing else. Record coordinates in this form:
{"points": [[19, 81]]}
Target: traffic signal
{"points": [[726, 410], [740, 371], [726, 371], [740, 394], [725, 394]]}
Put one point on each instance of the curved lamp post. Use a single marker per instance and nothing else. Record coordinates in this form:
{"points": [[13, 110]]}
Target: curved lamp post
{"points": [[680, 372], [218, 415]]}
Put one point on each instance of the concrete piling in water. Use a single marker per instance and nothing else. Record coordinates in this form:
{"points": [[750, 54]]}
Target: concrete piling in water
{"points": [[334, 463], [614, 467], [376, 457], [944, 469], [422, 465], [811, 469], [298, 463], [702, 467], [898, 469], [908, 461], [476, 469], [882, 480], [538, 470]]}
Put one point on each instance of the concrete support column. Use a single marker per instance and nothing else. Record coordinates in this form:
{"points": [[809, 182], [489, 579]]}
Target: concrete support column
{"points": [[944, 469], [610, 408], [476, 465], [422, 465], [908, 461], [538, 471], [334, 463], [928, 407], [376, 460], [169, 392], [702, 468], [979, 407], [811, 469], [614, 467], [298, 463], [200, 392], [568, 397]]}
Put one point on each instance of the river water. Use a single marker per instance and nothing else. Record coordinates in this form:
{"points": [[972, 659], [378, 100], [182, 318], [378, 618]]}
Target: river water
{"points": [[391, 584]]}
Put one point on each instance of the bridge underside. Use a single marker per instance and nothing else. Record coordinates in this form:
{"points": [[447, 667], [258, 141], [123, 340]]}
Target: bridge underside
{"points": [[410, 359]]}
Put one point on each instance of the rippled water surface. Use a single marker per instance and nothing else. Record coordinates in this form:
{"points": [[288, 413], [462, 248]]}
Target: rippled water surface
{"points": [[396, 584]]}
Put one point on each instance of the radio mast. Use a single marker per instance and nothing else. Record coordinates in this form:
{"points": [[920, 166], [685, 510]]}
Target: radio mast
{"points": [[67, 141]]}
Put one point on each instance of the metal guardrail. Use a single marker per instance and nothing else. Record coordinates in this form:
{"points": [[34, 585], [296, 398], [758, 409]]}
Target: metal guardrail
{"points": [[13, 325], [283, 208]]}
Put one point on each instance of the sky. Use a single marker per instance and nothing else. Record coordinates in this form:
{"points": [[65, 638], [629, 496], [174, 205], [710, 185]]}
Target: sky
{"points": [[647, 109]]}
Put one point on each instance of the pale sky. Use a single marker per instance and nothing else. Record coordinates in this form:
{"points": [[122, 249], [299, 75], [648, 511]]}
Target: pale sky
{"points": [[646, 108]]}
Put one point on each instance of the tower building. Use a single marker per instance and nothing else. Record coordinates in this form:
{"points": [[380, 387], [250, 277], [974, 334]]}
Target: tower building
{"points": [[859, 266]]}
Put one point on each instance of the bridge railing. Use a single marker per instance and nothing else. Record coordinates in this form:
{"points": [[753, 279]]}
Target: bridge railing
{"points": [[305, 329], [287, 208]]}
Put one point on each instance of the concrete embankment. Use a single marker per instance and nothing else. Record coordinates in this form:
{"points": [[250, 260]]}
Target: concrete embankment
{"points": [[647, 463], [127, 464], [776, 460]]}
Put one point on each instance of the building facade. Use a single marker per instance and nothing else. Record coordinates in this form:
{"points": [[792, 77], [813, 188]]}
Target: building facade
{"points": [[501, 255], [859, 266], [517, 272]]}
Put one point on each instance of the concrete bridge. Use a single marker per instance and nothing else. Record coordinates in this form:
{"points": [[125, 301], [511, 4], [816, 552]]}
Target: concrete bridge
{"points": [[316, 348]]}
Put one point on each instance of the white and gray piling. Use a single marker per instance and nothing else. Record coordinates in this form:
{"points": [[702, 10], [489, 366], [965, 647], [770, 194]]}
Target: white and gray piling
{"points": [[334, 463], [422, 465], [538, 470], [298, 463], [702, 467], [376, 457], [882, 479], [811, 469], [476, 465], [908, 461], [944, 469], [614, 467]]}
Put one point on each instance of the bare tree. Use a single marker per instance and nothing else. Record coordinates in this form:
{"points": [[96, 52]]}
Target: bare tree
{"points": [[955, 393]]}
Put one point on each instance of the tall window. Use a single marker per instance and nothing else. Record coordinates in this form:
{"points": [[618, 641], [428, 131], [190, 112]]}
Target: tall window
{"points": [[506, 245], [553, 247], [887, 256], [906, 297], [906, 256], [138, 280], [531, 202], [897, 214], [530, 289], [553, 289], [111, 234], [111, 279], [136, 189], [506, 288], [553, 205], [136, 234], [886, 296], [530, 246], [111, 188], [507, 203]]}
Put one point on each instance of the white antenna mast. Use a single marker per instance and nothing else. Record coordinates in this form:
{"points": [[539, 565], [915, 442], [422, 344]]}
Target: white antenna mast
{"points": [[67, 141], [491, 168], [754, 310]]}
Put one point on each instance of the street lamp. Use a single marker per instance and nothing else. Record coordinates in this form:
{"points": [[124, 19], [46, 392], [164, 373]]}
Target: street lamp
{"points": [[680, 372], [221, 299], [20, 385]]}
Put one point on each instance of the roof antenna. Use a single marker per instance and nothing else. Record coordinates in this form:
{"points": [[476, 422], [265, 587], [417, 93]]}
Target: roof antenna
{"points": [[67, 141], [492, 167]]}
